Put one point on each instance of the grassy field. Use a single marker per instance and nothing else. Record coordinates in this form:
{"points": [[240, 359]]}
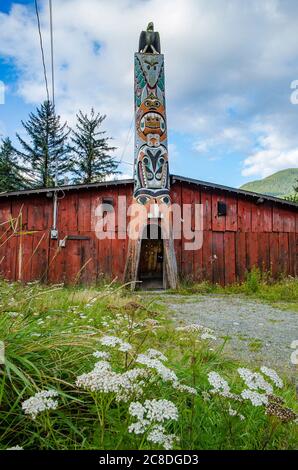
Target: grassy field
{"points": [[113, 372]]}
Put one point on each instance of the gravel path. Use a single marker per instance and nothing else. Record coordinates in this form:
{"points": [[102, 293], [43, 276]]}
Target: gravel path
{"points": [[257, 332]]}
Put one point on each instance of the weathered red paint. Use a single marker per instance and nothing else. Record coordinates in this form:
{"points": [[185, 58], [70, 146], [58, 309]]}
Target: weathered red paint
{"points": [[263, 235]]}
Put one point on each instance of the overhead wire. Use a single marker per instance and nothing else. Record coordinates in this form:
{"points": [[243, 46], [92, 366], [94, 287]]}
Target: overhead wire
{"points": [[52, 52], [42, 51]]}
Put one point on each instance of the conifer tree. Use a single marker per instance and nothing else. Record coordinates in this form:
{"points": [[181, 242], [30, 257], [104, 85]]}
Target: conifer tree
{"points": [[11, 178], [92, 151], [47, 154]]}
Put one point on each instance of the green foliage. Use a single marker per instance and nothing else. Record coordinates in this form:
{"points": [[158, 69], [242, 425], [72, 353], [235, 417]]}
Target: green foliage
{"points": [[292, 197], [47, 152], [93, 161], [253, 279], [10, 169], [50, 334], [280, 184], [258, 285]]}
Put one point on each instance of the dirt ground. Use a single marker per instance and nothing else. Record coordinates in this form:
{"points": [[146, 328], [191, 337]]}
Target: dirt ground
{"points": [[256, 332]]}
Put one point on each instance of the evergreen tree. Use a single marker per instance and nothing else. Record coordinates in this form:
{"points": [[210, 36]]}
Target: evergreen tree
{"points": [[92, 151], [47, 155], [11, 178]]}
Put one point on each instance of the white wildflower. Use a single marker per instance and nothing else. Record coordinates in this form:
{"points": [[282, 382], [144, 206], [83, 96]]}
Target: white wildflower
{"points": [[15, 448], [192, 328], [254, 380], [103, 379], [153, 413], [273, 376], [161, 410], [139, 427], [206, 333], [208, 336], [114, 341], [184, 388], [155, 354], [221, 386], [101, 355], [232, 412], [41, 401], [154, 410], [158, 436], [137, 410], [206, 396], [151, 322], [13, 314], [164, 372], [257, 399]]}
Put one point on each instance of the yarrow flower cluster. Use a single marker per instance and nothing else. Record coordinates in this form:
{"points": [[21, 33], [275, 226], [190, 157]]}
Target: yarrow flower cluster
{"points": [[152, 363], [101, 355], [15, 448], [155, 354], [273, 376], [257, 399], [149, 416], [254, 380], [259, 392], [103, 379], [235, 413], [153, 360], [41, 401], [206, 333], [220, 386], [157, 436], [114, 341]]}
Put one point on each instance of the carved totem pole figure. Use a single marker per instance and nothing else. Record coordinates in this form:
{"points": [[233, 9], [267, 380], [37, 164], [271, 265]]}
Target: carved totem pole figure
{"points": [[151, 168]]}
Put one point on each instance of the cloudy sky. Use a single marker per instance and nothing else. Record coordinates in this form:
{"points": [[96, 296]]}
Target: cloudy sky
{"points": [[229, 69]]}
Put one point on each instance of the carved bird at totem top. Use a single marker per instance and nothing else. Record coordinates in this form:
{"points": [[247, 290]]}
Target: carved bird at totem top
{"points": [[149, 40]]}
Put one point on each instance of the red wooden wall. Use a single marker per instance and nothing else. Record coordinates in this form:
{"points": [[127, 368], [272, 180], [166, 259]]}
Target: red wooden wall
{"points": [[261, 235], [264, 235]]}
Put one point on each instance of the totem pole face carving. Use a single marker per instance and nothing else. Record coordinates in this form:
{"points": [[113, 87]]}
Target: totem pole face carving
{"points": [[151, 154]]}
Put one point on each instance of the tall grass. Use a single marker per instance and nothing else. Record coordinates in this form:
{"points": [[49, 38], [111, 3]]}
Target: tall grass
{"points": [[50, 335]]}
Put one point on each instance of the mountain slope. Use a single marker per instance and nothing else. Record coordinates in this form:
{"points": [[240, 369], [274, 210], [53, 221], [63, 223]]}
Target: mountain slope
{"points": [[279, 184]]}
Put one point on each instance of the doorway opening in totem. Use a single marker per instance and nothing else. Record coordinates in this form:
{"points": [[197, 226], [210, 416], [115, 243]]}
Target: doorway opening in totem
{"points": [[151, 265]]}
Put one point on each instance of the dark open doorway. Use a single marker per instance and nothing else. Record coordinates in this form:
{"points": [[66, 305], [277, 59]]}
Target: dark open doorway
{"points": [[151, 258]]}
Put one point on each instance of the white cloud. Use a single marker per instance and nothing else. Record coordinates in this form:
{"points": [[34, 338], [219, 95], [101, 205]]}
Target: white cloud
{"points": [[275, 152], [227, 61]]}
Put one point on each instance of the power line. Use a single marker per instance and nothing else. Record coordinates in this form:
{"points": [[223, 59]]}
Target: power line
{"points": [[52, 52], [53, 78], [42, 51]]}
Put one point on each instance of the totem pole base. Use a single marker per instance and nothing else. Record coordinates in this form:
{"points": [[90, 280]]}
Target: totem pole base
{"points": [[132, 268]]}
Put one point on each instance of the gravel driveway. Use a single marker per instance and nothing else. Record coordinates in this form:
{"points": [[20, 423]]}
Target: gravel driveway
{"points": [[257, 332]]}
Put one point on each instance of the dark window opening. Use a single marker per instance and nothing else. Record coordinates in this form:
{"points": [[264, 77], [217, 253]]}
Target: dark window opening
{"points": [[108, 204], [221, 208]]}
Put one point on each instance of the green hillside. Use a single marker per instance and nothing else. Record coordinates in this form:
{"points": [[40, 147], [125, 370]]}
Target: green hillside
{"points": [[279, 184]]}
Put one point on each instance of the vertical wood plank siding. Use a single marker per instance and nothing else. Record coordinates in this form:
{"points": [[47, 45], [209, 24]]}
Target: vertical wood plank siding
{"points": [[263, 235]]}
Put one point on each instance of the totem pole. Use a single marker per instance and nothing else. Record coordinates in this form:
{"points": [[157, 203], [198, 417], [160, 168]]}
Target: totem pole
{"points": [[151, 165]]}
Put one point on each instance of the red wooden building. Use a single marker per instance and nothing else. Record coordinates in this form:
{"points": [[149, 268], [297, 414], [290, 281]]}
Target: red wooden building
{"points": [[240, 230]]}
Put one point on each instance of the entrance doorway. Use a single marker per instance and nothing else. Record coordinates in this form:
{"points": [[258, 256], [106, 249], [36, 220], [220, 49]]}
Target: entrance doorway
{"points": [[151, 258]]}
